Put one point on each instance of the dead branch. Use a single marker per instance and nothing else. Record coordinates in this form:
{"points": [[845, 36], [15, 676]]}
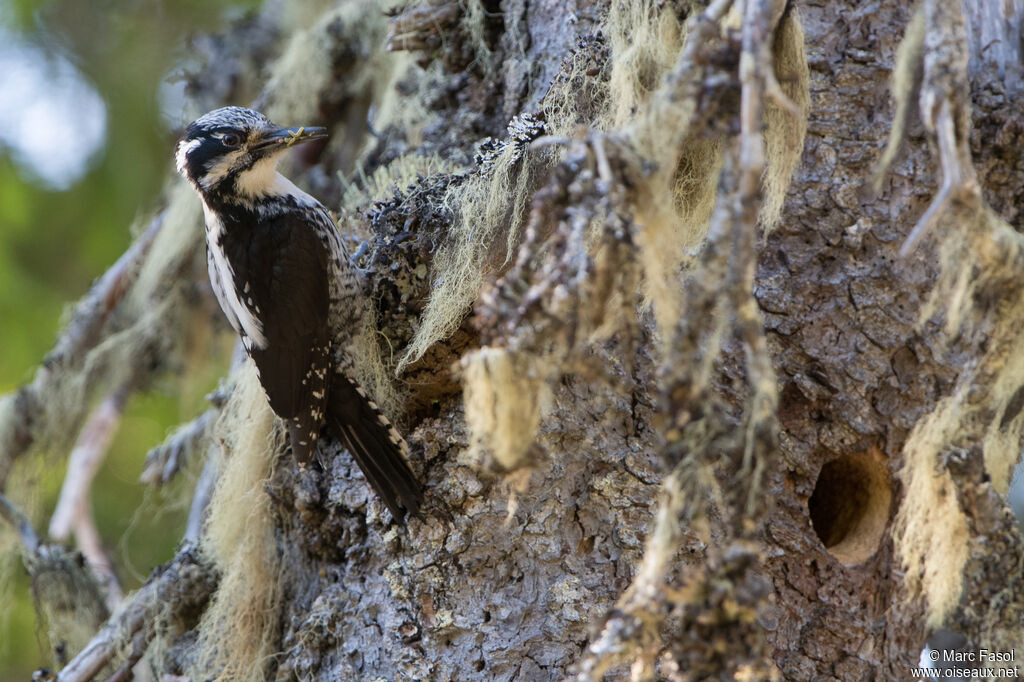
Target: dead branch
{"points": [[182, 582], [83, 332], [756, 79], [684, 83], [124, 673], [625, 634], [183, 575], [70, 602], [64, 589], [165, 460], [74, 510], [89, 542]]}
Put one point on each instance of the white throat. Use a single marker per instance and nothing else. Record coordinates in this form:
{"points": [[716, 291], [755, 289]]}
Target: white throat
{"points": [[258, 181], [263, 180]]}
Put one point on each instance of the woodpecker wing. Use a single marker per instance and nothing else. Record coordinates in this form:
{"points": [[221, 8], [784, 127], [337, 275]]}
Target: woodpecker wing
{"points": [[279, 266]]}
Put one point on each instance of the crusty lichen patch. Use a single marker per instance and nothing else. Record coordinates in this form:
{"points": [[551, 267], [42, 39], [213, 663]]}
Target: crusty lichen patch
{"points": [[392, 178]]}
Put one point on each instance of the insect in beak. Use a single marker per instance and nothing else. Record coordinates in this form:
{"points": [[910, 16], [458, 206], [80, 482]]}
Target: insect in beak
{"points": [[289, 137]]}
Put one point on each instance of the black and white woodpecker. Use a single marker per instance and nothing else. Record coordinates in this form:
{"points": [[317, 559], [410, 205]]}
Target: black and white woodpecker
{"points": [[287, 286]]}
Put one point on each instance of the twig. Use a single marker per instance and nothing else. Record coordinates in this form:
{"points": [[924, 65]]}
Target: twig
{"points": [[549, 141], [201, 498], [756, 78], [620, 637], [165, 460], [83, 463], [774, 91], [183, 576], [951, 180], [74, 511], [687, 79], [945, 111], [89, 542], [604, 169], [15, 517], [124, 673], [959, 181]]}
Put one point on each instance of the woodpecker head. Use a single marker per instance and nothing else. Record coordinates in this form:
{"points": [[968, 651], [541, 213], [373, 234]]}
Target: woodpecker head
{"points": [[233, 152]]}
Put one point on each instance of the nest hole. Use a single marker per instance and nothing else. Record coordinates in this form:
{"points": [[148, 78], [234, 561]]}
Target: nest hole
{"points": [[850, 505]]}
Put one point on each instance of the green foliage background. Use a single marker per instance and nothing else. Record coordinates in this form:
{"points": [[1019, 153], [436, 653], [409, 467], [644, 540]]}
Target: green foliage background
{"points": [[54, 244]]}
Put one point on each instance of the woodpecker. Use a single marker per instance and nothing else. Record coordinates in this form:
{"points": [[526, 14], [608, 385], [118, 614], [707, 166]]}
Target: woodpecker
{"points": [[287, 286]]}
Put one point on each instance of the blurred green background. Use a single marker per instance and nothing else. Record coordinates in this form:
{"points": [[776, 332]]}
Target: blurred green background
{"points": [[90, 97]]}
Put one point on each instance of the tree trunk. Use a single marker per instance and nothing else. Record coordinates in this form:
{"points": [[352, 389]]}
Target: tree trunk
{"points": [[686, 403]]}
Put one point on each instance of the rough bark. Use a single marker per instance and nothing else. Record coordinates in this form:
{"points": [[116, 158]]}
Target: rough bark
{"points": [[710, 496]]}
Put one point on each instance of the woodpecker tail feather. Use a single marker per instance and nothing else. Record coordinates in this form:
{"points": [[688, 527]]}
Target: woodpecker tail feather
{"points": [[303, 436], [379, 450]]}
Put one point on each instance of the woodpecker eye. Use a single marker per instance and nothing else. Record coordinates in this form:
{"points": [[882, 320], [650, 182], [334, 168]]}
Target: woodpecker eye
{"points": [[231, 139]]}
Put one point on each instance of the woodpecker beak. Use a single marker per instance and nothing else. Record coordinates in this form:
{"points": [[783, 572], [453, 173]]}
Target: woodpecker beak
{"points": [[283, 138]]}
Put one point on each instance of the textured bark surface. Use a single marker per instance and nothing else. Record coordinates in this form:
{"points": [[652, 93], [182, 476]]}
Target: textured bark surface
{"points": [[523, 574], [857, 368], [855, 373]]}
